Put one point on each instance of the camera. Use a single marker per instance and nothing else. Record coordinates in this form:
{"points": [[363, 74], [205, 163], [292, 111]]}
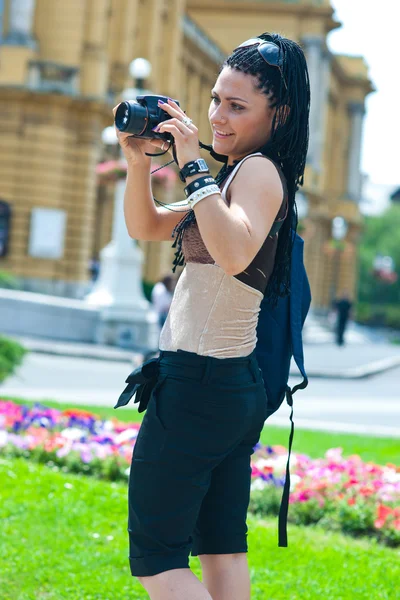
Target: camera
{"points": [[141, 116]]}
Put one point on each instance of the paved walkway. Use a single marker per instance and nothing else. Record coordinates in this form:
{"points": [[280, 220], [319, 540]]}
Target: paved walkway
{"points": [[359, 358]]}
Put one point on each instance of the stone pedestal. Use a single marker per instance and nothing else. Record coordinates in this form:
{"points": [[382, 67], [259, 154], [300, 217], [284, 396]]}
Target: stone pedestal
{"points": [[126, 317]]}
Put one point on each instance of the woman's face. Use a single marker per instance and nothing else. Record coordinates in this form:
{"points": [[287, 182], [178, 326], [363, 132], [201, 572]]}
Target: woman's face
{"points": [[239, 114]]}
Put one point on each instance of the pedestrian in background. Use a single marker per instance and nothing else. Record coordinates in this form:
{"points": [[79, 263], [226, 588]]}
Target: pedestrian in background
{"points": [[94, 268], [161, 297], [343, 307], [190, 477]]}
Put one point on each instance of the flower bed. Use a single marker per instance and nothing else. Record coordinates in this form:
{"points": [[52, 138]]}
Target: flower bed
{"points": [[75, 440], [340, 493], [336, 492]]}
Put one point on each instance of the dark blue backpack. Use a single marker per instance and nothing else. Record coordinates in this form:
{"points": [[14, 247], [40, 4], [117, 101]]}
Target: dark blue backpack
{"points": [[279, 338]]}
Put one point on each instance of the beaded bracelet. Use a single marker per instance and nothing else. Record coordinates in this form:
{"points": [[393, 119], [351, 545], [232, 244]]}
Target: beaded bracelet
{"points": [[204, 192], [198, 184]]}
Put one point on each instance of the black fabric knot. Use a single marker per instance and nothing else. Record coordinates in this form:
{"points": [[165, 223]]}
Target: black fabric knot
{"points": [[141, 383]]}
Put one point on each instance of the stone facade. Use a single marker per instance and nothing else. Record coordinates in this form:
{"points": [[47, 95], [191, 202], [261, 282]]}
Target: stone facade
{"points": [[63, 66]]}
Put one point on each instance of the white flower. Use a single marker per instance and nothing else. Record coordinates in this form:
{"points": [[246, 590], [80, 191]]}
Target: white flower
{"points": [[3, 438], [68, 486], [258, 484], [73, 433], [294, 480], [389, 475], [108, 426], [95, 535], [124, 436]]}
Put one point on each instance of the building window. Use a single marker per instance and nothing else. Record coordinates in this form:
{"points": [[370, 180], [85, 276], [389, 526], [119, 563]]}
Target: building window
{"points": [[52, 77]]}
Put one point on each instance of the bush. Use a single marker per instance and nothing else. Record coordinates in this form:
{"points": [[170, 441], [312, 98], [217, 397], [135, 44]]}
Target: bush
{"points": [[11, 356], [8, 281], [378, 315], [265, 502]]}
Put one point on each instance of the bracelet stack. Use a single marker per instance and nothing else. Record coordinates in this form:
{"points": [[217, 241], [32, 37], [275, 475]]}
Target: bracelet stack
{"points": [[200, 189]]}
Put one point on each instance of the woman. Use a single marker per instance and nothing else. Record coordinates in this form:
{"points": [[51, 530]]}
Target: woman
{"points": [[190, 478]]}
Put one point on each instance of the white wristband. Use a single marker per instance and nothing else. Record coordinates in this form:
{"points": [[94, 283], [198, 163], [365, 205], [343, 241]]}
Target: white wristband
{"points": [[202, 193]]}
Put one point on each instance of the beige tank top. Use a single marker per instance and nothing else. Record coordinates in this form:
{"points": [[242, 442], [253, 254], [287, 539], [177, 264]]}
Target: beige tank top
{"points": [[212, 313]]}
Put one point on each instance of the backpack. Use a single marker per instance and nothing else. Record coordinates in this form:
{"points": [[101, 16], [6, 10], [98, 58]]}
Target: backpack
{"points": [[279, 338]]}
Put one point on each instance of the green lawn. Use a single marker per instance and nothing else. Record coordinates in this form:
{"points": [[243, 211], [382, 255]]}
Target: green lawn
{"points": [[64, 536], [313, 443]]}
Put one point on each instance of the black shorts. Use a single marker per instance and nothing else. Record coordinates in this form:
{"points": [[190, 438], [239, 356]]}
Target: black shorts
{"points": [[189, 484]]}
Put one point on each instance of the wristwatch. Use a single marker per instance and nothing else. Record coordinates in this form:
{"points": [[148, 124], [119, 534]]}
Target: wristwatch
{"points": [[193, 168]]}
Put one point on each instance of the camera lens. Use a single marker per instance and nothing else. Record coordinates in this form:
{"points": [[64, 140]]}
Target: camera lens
{"points": [[131, 117]]}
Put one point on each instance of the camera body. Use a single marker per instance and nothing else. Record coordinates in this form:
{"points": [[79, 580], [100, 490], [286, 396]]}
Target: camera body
{"points": [[139, 117]]}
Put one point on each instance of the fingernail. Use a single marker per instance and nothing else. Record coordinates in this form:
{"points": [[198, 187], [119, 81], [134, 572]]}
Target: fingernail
{"points": [[161, 102], [155, 128]]}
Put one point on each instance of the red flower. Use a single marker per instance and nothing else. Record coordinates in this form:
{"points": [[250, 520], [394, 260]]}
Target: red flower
{"points": [[78, 412], [378, 524], [383, 512]]}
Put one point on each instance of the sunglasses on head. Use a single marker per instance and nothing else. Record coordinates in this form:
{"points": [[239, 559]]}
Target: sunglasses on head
{"points": [[269, 51]]}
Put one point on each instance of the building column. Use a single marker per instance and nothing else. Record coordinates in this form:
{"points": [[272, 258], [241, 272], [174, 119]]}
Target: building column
{"points": [[314, 54], [204, 124], [357, 111], [20, 23], [323, 100], [60, 26], [151, 44], [94, 65], [173, 39], [122, 42]]}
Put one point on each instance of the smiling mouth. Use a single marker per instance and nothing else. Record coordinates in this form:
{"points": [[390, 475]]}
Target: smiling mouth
{"points": [[222, 134]]}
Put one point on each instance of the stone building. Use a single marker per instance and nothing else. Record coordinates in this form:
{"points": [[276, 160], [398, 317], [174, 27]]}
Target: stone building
{"points": [[63, 66]]}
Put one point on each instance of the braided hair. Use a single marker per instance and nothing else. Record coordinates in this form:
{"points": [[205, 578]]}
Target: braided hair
{"points": [[287, 145]]}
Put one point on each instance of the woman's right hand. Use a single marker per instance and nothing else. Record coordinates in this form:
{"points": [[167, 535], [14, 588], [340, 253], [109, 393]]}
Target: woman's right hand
{"points": [[134, 148]]}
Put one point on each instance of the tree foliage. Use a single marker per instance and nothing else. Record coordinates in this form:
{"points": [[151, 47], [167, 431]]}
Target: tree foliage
{"points": [[381, 236]]}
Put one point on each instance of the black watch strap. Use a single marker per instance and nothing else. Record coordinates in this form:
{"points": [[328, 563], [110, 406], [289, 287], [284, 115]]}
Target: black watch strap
{"points": [[193, 168]]}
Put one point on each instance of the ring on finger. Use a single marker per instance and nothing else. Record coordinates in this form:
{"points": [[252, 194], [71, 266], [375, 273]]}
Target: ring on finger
{"points": [[186, 121]]}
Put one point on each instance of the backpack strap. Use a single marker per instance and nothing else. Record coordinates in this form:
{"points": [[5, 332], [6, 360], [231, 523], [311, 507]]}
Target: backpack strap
{"points": [[298, 312]]}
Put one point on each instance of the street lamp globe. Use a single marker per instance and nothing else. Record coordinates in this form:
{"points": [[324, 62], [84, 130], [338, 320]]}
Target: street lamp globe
{"points": [[109, 137], [339, 228], [140, 68]]}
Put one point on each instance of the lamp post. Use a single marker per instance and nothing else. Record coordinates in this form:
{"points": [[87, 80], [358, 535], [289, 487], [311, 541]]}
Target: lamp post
{"points": [[339, 231], [126, 318]]}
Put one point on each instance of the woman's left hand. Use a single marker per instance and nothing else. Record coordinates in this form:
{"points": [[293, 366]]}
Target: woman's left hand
{"points": [[186, 136]]}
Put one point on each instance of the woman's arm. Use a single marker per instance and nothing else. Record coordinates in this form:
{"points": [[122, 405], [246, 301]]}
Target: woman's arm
{"points": [[233, 235], [143, 219]]}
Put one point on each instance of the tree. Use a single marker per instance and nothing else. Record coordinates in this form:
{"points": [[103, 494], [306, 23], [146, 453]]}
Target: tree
{"points": [[381, 236]]}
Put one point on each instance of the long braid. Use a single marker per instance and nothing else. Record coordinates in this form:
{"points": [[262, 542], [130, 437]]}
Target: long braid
{"points": [[288, 144]]}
